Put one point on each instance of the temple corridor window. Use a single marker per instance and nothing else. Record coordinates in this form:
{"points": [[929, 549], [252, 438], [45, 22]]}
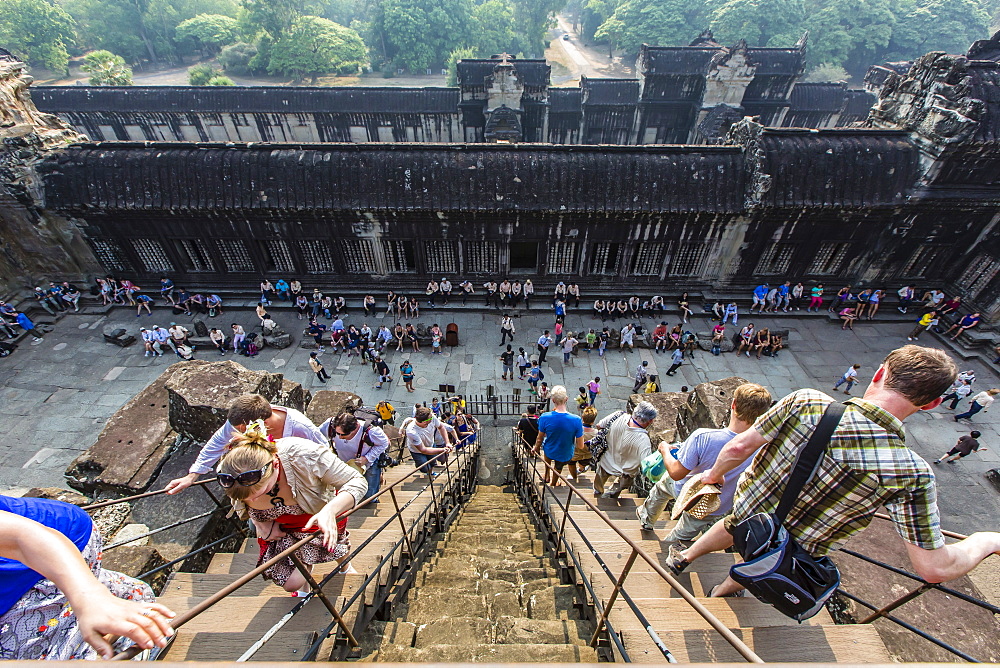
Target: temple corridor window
{"points": [[605, 258], [194, 255], [777, 259], [316, 254], [441, 256], [647, 260], [481, 257], [359, 256], [978, 275], [687, 259], [110, 255], [523, 256], [563, 257], [919, 264], [829, 259], [235, 255], [399, 256], [278, 256], [152, 256]]}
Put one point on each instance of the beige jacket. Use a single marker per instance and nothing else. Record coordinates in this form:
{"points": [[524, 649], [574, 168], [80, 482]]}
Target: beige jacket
{"points": [[315, 474]]}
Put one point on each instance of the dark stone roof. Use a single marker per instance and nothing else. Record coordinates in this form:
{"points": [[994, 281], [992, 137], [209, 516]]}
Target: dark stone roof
{"points": [[984, 80], [7, 56], [676, 60], [248, 99], [838, 168], [473, 72], [826, 96], [609, 91], [770, 61], [457, 177], [565, 100], [859, 103], [986, 49]]}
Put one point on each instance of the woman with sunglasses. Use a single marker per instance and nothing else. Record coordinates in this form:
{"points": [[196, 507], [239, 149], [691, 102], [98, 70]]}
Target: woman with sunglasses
{"points": [[291, 488]]}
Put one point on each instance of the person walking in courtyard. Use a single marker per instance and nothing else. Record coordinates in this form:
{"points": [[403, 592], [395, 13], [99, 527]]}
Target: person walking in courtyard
{"points": [[815, 298], [676, 359], [507, 360], [960, 390], [980, 402], [568, 343], [506, 329], [966, 446], [317, 367], [627, 336], [406, 371], [544, 341], [641, 373], [523, 363], [594, 389], [382, 369], [850, 377]]}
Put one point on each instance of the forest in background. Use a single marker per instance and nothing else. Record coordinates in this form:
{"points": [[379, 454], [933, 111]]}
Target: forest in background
{"points": [[303, 39]]}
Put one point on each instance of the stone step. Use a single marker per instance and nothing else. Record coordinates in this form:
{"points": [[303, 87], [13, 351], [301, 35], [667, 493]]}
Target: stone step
{"points": [[676, 614], [490, 559], [513, 575], [557, 602], [541, 653], [843, 644], [435, 604], [504, 631]]}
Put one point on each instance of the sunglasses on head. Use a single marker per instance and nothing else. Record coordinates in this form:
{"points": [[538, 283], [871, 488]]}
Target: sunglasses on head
{"points": [[245, 479]]}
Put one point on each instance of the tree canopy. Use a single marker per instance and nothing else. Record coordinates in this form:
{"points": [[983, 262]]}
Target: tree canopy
{"points": [[313, 46], [107, 69], [210, 31], [38, 32]]}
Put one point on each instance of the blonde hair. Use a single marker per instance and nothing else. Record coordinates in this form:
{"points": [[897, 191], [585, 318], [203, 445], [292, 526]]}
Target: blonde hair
{"points": [[920, 374], [750, 401], [589, 416], [247, 452], [558, 395]]}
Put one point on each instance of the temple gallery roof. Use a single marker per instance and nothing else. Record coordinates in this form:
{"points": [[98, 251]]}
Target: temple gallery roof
{"points": [[828, 168]]}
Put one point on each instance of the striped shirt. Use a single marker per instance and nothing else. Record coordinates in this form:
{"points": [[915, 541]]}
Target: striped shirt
{"points": [[866, 465]]}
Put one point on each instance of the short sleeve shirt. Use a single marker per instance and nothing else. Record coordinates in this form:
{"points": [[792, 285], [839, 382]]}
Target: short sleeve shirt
{"points": [[866, 465], [698, 454], [561, 431], [966, 445]]}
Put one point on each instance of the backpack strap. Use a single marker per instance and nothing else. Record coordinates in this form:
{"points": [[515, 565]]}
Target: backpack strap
{"points": [[808, 458]]}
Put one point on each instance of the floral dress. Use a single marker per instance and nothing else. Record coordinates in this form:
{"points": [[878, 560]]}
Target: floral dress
{"points": [[291, 519]]}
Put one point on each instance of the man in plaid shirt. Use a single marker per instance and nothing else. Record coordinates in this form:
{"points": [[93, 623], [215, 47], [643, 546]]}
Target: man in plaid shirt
{"points": [[866, 465]]}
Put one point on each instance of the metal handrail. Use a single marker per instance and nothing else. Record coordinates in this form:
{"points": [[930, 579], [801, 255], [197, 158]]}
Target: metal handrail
{"points": [[184, 617], [638, 552], [144, 495]]}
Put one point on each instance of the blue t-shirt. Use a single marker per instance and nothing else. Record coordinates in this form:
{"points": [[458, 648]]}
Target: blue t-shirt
{"points": [[698, 454], [16, 578], [760, 291], [561, 431]]}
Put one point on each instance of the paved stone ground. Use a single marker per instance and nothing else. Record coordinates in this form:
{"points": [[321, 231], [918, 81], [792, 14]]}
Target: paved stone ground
{"points": [[56, 395]]}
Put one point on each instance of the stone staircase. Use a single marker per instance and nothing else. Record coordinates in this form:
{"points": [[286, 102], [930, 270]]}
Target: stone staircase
{"points": [[224, 631], [488, 595], [687, 635]]}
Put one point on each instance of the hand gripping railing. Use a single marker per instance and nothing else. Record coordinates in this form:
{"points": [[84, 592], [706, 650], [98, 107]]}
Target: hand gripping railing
{"points": [[636, 553], [317, 588], [883, 612]]}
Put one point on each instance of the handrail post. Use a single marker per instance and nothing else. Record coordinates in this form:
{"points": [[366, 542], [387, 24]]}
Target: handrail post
{"points": [[906, 598], [562, 526], [322, 596], [614, 595], [402, 524]]}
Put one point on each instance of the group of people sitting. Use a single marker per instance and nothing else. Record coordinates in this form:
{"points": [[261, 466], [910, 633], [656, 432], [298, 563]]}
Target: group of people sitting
{"points": [[749, 340], [636, 307]]}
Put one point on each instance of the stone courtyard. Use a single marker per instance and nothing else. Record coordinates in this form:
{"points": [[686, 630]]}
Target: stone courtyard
{"points": [[59, 393]]}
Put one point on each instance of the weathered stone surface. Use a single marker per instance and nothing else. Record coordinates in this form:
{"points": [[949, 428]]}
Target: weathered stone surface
{"points": [[293, 395], [708, 404], [130, 532], [200, 394], [278, 340], [58, 494], [133, 445], [327, 403], [993, 475], [671, 408], [705, 342], [200, 328], [135, 560], [109, 520]]}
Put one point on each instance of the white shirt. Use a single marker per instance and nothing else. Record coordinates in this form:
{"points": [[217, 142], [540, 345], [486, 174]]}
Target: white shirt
{"points": [[296, 424], [161, 334], [984, 399], [627, 445], [851, 373], [627, 334], [417, 435], [347, 449]]}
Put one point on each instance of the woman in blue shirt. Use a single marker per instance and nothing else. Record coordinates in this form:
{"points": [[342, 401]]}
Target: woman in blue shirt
{"points": [[560, 433], [56, 602]]}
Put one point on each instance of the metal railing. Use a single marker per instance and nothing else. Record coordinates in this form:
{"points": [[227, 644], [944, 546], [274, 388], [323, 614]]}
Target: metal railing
{"points": [[460, 479], [535, 490]]}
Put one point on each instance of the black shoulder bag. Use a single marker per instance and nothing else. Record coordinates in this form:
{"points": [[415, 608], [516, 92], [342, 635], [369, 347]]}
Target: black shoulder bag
{"points": [[775, 568]]}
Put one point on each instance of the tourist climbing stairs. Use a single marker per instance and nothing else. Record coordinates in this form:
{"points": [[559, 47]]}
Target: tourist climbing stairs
{"points": [[488, 595], [255, 622], [649, 619]]}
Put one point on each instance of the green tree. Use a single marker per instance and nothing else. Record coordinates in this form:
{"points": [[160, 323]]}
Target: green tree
{"points": [[938, 25], [236, 58], [827, 72], [493, 30], [658, 22], [417, 34], [759, 22], [107, 69], [275, 17], [220, 80], [201, 74], [593, 13], [37, 31], [313, 46], [532, 20], [464, 53], [850, 33], [210, 31]]}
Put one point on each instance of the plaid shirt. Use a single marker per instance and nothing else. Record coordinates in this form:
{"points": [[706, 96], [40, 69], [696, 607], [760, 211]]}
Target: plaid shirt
{"points": [[867, 465]]}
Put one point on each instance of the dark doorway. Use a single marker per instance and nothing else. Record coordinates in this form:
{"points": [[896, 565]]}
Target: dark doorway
{"points": [[524, 256]]}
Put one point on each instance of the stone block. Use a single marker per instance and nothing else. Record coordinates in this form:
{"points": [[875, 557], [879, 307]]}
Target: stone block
{"points": [[705, 342], [130, 532], [135, 560], [993, 475], [57, 494], [200, 328], [457, 631], [521, 631], [200, 394], [327, 403], [109, 520], [132, 447], [671, 413], [278, 340], [293, 395], [708, 404]]}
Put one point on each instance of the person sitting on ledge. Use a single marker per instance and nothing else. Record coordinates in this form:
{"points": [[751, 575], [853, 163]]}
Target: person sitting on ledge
{"points": [[280, 422], [291, 488], [56, 602]]}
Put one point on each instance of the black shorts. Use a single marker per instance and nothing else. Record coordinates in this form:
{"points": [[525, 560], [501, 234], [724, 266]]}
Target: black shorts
{"points": [[956, 451]]}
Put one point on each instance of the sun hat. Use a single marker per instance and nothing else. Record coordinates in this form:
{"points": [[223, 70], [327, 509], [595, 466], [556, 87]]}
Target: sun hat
{"points": [[697, 499]]}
